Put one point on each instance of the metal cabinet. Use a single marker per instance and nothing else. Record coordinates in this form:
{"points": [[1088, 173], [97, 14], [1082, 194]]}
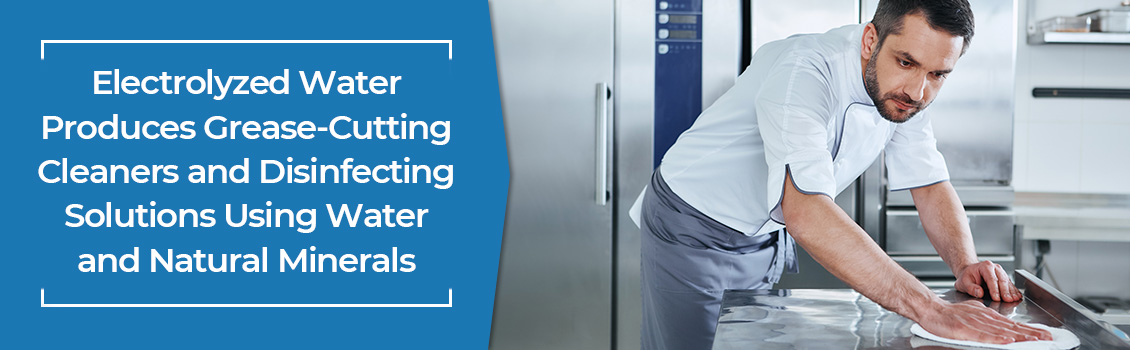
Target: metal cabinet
{"points": [[579, 91], [555, 71], [909, 238]]}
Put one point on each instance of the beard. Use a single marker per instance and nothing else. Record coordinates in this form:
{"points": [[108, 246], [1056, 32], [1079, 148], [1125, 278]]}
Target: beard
{"points": [[892, 114]]}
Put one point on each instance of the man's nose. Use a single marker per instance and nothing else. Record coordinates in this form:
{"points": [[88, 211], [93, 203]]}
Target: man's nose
{"points": [[916, 88]]}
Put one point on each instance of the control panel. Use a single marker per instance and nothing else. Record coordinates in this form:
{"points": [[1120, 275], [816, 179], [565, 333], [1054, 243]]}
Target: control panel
{"points": [[678, 70]]}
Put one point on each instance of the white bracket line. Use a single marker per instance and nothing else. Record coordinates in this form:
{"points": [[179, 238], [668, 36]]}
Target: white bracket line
{"points": [[43, 303], [43, 43]]}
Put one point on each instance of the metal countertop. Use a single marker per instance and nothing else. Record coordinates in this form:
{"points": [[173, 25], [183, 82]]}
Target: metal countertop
{"points": [[844, 319]]}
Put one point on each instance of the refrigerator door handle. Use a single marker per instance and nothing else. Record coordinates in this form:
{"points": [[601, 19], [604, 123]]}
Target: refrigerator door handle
{"points": [[603, 144]]}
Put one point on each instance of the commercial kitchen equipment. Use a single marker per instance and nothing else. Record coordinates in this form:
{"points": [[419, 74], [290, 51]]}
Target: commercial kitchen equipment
{"points": [[593, 92], [1103, 26], [586, 87], [843, 319]]}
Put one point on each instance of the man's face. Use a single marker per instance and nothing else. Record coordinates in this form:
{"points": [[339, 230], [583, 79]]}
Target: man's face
{"points": [[904, 74]]}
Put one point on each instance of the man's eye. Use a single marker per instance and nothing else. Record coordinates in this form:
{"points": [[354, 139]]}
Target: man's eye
{"points": [[904, 63]]}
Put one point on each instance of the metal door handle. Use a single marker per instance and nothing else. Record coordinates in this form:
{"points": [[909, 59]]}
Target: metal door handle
{"points": [[603, 141]]}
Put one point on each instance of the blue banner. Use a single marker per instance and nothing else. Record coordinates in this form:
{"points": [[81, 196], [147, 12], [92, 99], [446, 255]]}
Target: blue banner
{"points": [[220, 175]]}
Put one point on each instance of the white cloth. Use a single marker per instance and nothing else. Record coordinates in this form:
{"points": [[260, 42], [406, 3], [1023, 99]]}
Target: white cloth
{"points": [[1062, 339], [800, 107]]}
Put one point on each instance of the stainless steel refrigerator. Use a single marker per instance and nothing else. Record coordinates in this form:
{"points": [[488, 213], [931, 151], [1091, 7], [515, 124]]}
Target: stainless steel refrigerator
{"points": [[555, 71], [582, 108]]}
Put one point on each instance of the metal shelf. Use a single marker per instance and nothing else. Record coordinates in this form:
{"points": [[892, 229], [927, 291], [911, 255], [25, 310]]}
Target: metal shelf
{"points": [[1040, 38], [1074, 217]]}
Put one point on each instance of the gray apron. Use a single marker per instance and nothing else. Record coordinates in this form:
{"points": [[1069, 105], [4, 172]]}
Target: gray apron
{"points": [[688, 260]]}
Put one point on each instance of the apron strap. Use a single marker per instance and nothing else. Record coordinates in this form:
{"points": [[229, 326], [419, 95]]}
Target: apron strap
{"points": [[785, 260]]}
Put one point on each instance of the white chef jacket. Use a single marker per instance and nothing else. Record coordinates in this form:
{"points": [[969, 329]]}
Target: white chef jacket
{"points": [[800, 107]]}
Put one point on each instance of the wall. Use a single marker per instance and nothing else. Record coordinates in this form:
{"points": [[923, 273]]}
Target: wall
{"points": [[1070, 145], [1074, 145]]}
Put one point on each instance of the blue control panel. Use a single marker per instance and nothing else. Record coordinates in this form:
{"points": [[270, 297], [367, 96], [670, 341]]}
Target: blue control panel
{"points": [[678, 70]]}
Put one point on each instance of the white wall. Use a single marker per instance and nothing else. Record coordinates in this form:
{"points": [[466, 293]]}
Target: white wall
{"points": [[1070, 145], [1074, 145]]}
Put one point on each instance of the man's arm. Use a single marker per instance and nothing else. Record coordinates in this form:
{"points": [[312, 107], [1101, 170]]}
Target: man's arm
{"points": [[841, 246], [946, 225]]}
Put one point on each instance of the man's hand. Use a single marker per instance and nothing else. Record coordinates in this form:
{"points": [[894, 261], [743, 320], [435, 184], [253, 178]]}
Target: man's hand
{"points": [[841, 246], [973, 279], [971, 320], [947, 226]]}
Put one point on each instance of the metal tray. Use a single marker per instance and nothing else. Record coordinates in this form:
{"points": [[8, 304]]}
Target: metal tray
{"points": [[1110, 20]]}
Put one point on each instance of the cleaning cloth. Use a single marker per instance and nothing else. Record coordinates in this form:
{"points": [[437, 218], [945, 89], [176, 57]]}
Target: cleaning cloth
{"points": [[1062, 339]]}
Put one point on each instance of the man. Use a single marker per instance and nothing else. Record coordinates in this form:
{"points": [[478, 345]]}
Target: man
{"points": [[761, 165]]}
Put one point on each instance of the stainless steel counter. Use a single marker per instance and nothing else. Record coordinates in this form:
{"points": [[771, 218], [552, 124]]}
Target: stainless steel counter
{"points": [[844, 319]]}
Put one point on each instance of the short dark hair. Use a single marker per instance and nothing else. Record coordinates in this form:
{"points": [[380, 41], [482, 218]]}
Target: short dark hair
{"points": [[952, 16]]}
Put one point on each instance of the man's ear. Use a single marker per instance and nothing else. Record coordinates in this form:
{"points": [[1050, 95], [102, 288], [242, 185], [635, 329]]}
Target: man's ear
{"points": [[870, 39]]}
